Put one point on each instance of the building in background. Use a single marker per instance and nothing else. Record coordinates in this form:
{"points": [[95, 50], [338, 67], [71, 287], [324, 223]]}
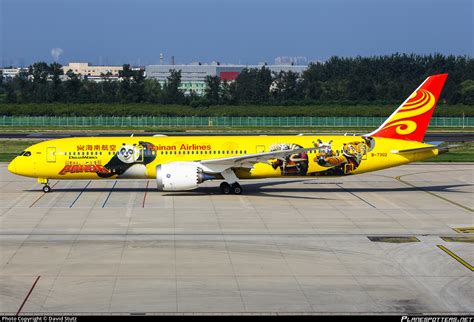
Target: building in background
{"points": [[9, 73], [90, 72], [193, 76], [287, 60]]}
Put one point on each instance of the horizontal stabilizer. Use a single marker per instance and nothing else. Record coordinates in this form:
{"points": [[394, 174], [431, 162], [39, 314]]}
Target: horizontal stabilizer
{"points": [[441, 149], [429, 148]]}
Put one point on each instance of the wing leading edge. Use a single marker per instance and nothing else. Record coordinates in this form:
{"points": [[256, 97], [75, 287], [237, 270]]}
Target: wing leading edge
{"points": [[248, 160]]}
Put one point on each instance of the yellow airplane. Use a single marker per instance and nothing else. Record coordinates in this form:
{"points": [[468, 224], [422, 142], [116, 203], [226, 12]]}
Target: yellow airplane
{"points": [[182, 163]]}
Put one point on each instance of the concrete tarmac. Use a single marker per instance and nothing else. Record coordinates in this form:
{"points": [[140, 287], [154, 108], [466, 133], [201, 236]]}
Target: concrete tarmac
{"points": [[394, 241]]}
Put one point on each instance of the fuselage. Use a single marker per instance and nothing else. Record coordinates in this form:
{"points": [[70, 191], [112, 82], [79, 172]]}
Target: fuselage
{"points": [[138, 157]]}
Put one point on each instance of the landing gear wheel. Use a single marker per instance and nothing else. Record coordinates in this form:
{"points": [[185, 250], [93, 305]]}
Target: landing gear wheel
{"points": [[46, 188], [225, 188], [236, 188]]}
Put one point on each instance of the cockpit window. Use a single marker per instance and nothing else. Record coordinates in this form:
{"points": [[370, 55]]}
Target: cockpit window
{"points": [[21, 153], [27, 154]]}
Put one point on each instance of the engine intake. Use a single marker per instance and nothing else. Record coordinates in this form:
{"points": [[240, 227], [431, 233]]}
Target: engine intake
{"points": [[177, 176]]}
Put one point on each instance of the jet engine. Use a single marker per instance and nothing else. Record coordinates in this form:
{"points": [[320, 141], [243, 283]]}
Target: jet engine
{"points": [[177, 176]]}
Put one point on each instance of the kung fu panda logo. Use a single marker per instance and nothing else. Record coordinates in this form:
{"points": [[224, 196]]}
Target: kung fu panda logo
{"points": [[130, 160]]}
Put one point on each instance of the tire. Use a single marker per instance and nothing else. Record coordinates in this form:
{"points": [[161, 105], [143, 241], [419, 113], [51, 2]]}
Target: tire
{"points": [[236, 189], [225, 188], [46, 188]]}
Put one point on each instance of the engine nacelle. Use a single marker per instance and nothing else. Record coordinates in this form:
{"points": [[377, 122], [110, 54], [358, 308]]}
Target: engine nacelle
{"points": [[177, 176]]}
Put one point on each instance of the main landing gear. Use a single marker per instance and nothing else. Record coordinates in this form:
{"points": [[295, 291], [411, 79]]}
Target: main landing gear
{"points": [[46, 187], [234, 188]]}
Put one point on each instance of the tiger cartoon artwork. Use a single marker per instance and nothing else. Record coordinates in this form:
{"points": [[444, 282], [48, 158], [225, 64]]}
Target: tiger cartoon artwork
{"points": [[343, 161]]}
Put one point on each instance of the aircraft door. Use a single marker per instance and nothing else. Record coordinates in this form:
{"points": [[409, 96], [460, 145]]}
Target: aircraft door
{"points": [[51, 154], [260, 149]]}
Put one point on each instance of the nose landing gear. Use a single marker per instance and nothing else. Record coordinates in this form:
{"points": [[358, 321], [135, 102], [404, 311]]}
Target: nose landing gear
{"points": [[46, 187]]}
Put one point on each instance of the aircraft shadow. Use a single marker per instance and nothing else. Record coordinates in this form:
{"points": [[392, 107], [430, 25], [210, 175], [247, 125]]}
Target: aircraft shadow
{"points": [[272, 189]]}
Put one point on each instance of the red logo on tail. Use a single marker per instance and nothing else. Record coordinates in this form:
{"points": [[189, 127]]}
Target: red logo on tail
{"points": [[411, 119]]}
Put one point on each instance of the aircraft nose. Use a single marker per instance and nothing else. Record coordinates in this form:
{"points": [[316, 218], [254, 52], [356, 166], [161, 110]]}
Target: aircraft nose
{"points": [[12, 167]]}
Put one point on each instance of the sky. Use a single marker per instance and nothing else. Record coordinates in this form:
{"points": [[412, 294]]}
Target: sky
{"points": [[228, 31]]}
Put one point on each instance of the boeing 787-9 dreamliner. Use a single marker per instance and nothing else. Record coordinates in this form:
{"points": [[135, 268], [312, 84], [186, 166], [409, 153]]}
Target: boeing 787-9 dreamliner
{"points": [[184, 162]]}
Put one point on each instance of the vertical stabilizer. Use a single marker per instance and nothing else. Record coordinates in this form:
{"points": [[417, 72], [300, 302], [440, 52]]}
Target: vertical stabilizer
{"points": [[411, 119]]}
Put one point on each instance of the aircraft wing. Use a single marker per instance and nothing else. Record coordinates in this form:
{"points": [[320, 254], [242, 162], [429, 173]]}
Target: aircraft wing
{"points": [[248, 160]]}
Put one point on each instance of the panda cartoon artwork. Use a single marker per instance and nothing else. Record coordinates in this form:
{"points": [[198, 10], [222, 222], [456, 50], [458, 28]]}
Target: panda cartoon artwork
{"points": [[130, 161]]}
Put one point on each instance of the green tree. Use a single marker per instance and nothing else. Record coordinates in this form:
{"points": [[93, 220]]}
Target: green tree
{"points": [[467, 92], [227, 93], [56, 71], [263, 82], [39, 72], [72, 87], [286, 87], [11, 94], [138, 86], [213, 89], [152, 91], [382, 80], [89, 92], [125, 89], [172, 91], [245, 86]]}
